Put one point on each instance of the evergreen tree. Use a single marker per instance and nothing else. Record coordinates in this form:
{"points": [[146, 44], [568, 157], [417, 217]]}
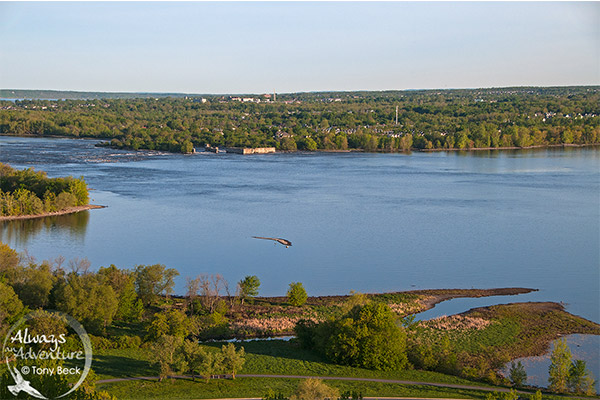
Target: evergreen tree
{"points": [[297, 294], [517, 374], [249, 287], [580, 380]]}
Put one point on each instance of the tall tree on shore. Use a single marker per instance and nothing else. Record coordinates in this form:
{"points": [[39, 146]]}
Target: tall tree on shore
{"points": [[560, 363], [580, 380], [193, 286], [154, 280], [249, 287], [517, 374]]}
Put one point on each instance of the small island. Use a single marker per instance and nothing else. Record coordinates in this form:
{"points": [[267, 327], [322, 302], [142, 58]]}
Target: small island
{"points": [[27, 193]]}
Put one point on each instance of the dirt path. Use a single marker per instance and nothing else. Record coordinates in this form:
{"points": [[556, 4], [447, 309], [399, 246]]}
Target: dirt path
{"points": [[337, 378], [344, 378]]}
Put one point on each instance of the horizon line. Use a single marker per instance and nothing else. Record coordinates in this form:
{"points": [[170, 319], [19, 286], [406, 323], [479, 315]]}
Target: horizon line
{"points": [[303, 92]]}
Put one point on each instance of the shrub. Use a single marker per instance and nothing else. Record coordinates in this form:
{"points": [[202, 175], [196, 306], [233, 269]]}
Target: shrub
{"points": [[367, 337]]}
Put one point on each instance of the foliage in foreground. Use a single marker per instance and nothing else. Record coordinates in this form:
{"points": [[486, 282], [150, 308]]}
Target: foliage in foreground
{"points": [[566, 375]]}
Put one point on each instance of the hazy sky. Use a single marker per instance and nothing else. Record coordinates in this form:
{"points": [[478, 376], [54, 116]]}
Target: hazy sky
{"points": [[247, 47]]}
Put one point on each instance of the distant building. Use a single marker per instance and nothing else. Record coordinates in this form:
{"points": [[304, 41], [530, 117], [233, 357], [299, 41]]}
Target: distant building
{"points": [[248, 150]]}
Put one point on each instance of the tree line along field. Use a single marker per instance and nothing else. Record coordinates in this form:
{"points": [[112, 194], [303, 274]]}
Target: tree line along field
{"points": [[426, 120], [138, 328]]}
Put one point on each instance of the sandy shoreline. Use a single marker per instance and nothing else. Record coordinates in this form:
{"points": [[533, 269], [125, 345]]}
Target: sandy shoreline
{"points": [[66, 211]]}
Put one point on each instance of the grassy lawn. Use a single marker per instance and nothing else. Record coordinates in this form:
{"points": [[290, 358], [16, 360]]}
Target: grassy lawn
{"points": [[257, 387], [274, 357], [280, 357]]}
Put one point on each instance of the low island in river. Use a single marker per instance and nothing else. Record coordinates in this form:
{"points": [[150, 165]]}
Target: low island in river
{"points": [[27, 193]]}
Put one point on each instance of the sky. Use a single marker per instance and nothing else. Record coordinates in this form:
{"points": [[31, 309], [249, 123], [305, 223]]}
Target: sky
{"points": [[260, 47]]}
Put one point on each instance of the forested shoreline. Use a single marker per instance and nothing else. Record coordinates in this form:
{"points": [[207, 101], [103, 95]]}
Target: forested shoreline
{"points": [[366, 121], [30, 193]]}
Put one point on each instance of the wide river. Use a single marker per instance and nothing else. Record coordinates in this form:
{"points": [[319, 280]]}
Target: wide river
{"points": [[357, 221]]}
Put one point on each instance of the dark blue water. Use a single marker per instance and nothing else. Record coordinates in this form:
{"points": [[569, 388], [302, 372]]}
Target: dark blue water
{"points": [[365, 222]]}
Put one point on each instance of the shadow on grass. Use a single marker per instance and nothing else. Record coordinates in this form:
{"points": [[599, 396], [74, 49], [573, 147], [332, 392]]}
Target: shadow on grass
{"points": [[126, 328], [121, 367], [276, 348]]}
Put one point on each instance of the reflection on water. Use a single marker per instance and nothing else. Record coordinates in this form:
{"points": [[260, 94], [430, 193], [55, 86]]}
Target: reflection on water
{"points": [[23, 231], [583, 347]]}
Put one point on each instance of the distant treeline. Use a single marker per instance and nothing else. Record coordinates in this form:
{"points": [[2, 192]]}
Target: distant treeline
{"points": [[371, 121], [74, 95], [29, 192]]}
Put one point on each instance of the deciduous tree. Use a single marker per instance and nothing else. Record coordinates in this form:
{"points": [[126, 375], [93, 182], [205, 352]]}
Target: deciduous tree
{"points": [[560, 363], [233, 359], [154, 280]]}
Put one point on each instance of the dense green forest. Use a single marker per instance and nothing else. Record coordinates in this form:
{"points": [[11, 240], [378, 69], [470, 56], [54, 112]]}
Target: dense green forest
{"points": [[29, 192], [426, 119]]}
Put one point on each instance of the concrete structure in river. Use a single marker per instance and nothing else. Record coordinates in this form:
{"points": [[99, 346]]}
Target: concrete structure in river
{"points": [[248, 150]]}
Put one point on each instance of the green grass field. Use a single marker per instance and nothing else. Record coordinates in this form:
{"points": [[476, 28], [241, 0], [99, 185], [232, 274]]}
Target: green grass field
{"points": [[273, 357], [185, 389], [257, 387]]}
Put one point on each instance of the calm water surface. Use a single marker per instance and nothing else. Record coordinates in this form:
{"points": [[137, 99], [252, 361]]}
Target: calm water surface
{"points": [[366, 222], [583, 347]]}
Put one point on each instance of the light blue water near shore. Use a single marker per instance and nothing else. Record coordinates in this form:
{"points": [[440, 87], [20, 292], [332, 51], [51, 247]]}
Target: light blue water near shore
{"points": [[583, 347], [366, 222]]}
